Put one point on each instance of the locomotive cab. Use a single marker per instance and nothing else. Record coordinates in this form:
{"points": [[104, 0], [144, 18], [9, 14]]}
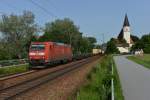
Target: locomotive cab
{"points": [[37, 54]]}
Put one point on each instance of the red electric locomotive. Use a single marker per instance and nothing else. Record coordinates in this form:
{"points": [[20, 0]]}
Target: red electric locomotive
{"points": [[45, 53]]}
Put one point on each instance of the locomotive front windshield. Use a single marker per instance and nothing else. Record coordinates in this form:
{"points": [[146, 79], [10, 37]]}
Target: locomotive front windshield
{"points": [[37, 47]]}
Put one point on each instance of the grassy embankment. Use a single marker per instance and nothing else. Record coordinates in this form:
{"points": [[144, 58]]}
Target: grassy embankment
{"points": [[13, 70], [143, 60], [117, 85], [98, 86]]}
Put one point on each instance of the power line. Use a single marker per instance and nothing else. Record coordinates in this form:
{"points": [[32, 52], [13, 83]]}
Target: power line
{"points": [[53, 5], [45, 10]]}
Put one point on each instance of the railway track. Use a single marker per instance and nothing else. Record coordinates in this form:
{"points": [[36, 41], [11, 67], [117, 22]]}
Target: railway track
{"points": [[12, 80], [8, 93]]}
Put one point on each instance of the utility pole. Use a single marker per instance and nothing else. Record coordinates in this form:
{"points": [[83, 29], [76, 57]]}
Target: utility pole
{"points": [[103, 36]]}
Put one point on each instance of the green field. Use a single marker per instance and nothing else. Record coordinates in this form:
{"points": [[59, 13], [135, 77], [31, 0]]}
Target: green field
{"points": [[143, 60], [98, 86], [13, 70]]}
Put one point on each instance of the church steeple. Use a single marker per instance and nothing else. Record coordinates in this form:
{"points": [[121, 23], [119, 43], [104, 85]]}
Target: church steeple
{"points": [[126, 21]]}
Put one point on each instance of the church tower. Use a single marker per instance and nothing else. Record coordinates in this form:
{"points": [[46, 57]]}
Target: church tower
{"points": [[124, 38], [126, 30]]}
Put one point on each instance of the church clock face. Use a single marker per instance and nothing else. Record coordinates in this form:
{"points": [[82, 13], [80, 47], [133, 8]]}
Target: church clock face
{"points": [[126, 29]]}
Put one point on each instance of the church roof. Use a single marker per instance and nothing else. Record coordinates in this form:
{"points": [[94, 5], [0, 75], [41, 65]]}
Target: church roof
{"points": [[131, 41], [120, 36], [126, 21], [122, 45]]}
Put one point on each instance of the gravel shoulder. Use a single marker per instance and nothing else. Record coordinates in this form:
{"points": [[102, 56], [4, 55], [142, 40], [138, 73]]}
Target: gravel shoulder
{"points": [[60, 88]]}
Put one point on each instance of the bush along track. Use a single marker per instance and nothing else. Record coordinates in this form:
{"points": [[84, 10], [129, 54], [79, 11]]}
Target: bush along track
{"points": [[5, 71], [98, 86]]}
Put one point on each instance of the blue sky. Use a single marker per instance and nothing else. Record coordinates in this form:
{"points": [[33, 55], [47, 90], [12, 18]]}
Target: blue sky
{"points": [[94, 17]]}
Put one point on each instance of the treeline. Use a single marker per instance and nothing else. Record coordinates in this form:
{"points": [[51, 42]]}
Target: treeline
{"points": [[65, 31], [142, 43], [18, 31]]}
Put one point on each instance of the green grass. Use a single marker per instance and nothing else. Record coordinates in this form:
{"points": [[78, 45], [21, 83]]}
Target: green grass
{"points": [[13, 70], [99, 85], [117, 85], [143, 60]]}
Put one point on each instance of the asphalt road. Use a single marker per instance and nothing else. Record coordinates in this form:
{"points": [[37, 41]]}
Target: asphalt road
{"points": [[135, 79]]}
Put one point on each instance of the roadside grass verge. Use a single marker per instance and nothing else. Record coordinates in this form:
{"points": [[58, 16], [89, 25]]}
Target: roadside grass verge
{"points": [[98, 86], [5, 71], [118, 93], [142, 60]]}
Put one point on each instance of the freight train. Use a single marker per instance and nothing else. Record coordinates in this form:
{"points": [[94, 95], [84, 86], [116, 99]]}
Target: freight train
{"points": [[42, 54]]}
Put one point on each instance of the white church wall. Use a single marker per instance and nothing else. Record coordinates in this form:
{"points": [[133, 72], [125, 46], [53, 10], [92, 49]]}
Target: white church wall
{"points": [[123, 50], [126, 34]]}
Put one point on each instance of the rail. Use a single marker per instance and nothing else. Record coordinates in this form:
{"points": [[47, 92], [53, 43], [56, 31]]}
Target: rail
{"points": [[20, 88]]}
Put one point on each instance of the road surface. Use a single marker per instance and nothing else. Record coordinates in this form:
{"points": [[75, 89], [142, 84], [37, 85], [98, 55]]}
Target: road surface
{"points": [[135, 79]]}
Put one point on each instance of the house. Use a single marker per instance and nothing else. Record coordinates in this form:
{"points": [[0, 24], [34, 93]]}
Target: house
{"points": [[138, 52]]}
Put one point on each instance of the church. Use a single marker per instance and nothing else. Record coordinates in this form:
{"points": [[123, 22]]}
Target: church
{"points": [[124, 40]]}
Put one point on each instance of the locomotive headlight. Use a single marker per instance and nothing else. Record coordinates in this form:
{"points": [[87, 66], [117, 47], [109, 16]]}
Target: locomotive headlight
{"points": [[41, 53], [31, 54]]}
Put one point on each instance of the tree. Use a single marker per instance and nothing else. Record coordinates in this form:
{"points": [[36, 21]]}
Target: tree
{"points": [[137, 45], [92, 41], [86, 45], [17, 32], [143, 43], [146, 38], [97, 46], [61, 31], [111, 47], [134, 38], [64, 31]]}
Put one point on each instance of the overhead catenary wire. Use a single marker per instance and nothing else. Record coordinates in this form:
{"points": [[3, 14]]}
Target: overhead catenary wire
{"points": [[42, 8], [34, 3], [52, 4]]}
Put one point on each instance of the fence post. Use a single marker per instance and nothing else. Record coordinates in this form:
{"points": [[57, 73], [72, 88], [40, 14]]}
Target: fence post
{"points": [[112, 82]]}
